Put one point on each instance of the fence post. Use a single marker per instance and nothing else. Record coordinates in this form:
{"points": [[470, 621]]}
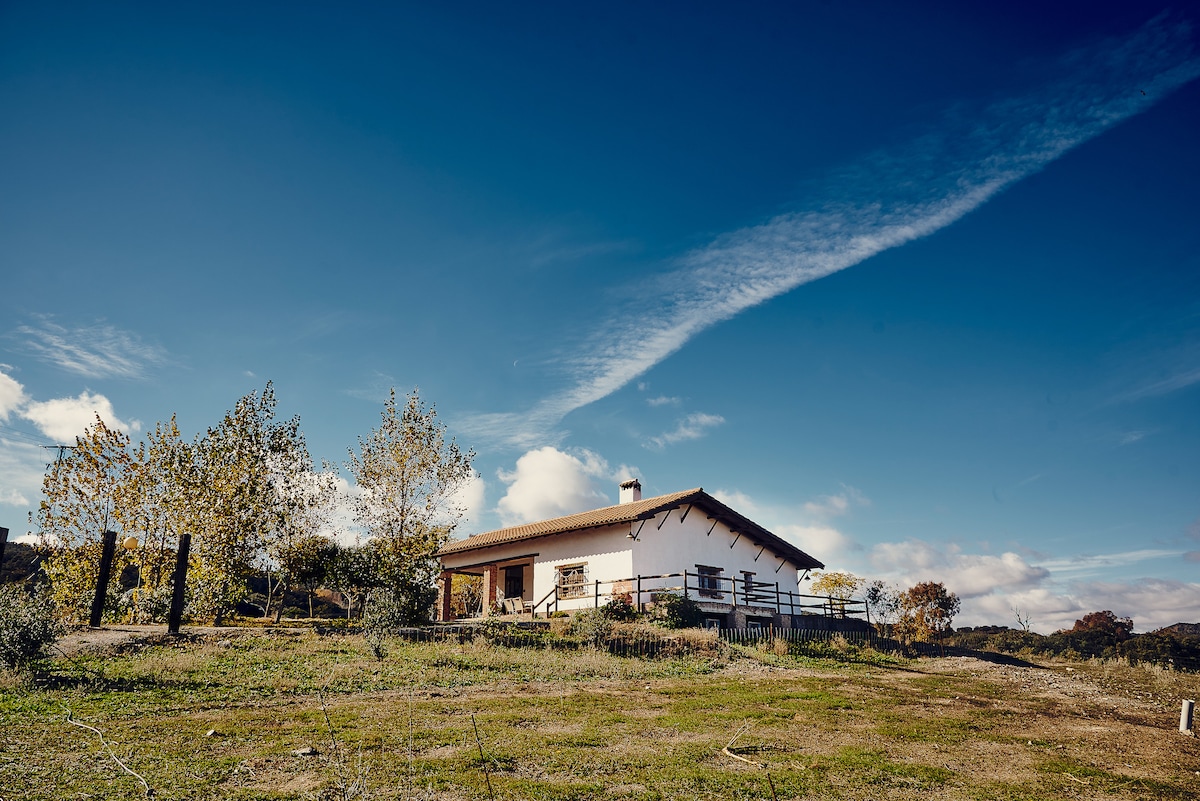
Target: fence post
{"points": [[181, 564], [1185, 717], [596, 604], [639, 592], [685, 583], [106, 559], [778, 602]]}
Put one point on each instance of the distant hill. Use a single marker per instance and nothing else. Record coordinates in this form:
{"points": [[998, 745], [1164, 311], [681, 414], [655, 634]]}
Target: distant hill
{"points": [[1181, 630], [20, 562]]}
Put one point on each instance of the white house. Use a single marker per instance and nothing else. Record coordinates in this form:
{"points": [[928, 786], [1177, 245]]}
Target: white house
{"points": [[683, 542]]}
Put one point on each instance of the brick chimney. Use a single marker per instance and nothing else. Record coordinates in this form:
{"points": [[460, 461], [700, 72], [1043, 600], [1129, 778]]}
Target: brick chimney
{"points": [[631, 491]]}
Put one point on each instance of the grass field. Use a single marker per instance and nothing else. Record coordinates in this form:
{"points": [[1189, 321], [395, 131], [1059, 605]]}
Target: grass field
{"points": [[230, 715]]}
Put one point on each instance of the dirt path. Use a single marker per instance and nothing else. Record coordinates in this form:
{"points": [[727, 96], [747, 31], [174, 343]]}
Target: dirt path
{"points": [[109, 638]]}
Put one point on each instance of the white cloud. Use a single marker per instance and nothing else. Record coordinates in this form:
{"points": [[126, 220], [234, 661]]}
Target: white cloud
{"points": [[694, 426], [97, 351], [1151, 602], [547, 482], [968, 575], [12, 395], [1052, 594], [470, 501], [882, 203], [663, 400], [63, 419], [22, 466], [835, 505], [817, 538]]}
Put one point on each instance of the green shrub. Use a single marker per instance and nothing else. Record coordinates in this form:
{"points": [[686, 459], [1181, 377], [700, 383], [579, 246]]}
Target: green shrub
{"points": [[677, 611], [386, 612], [591, 626], [619, 609], [28, 626]]}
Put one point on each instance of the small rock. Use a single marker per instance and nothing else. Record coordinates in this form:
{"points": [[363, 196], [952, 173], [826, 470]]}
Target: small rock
{"points": [[225, 644], [306, 751], [211, 733]]}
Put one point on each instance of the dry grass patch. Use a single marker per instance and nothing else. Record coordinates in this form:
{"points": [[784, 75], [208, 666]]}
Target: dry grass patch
{"points": [[589, 725]]}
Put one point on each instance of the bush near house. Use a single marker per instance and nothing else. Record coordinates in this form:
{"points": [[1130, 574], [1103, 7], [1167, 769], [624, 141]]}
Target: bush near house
{"points": [[28, 626]]}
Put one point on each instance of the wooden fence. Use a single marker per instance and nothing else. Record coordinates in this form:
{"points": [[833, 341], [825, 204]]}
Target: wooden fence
{"points": [[651, 644]]}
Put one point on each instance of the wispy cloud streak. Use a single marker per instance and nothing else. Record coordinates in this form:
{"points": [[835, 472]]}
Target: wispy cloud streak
{"points": [[694, 426], [97, 351], [886, 201]]}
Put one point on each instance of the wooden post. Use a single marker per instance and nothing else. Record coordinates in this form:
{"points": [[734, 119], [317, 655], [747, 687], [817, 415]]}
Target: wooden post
{"points": [[107, 552], [1185, 717], [180, 583], [639, 593], [490, 579], [596, 602], [445, 583]]}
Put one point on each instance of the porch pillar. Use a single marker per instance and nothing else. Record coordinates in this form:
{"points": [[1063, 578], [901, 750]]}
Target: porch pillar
{"points": [[489, 588], [445, 613]]}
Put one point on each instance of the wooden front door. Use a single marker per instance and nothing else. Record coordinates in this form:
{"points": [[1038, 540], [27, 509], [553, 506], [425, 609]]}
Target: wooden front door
{"points": [[514, 582]]}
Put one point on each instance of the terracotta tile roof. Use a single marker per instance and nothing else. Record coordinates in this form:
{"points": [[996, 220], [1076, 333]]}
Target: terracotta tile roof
{"points": [[630, 512]]}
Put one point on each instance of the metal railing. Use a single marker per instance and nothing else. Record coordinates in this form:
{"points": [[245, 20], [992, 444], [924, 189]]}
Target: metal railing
{"points": [[736, 592]]}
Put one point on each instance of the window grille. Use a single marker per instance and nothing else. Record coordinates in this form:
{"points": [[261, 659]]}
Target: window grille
{"points": [[572, 581]]}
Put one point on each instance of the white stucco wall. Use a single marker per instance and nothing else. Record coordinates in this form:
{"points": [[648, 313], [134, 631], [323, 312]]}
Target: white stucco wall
{"points": [[610, 554], [677, 546], [606, 552]]}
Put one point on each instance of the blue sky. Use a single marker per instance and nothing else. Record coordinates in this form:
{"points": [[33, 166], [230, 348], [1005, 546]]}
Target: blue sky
{"points": [[916, 287]]}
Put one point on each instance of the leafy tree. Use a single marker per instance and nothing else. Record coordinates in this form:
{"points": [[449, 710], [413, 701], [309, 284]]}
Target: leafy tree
{"points": [[84, 494], [354, 574], [303, 501], [156, 500], [926, 611], [840, 584], [237, 498], [466, 595], [409, 473], [308, 562], [1119, 628], [839, 587], [883, 603]]}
